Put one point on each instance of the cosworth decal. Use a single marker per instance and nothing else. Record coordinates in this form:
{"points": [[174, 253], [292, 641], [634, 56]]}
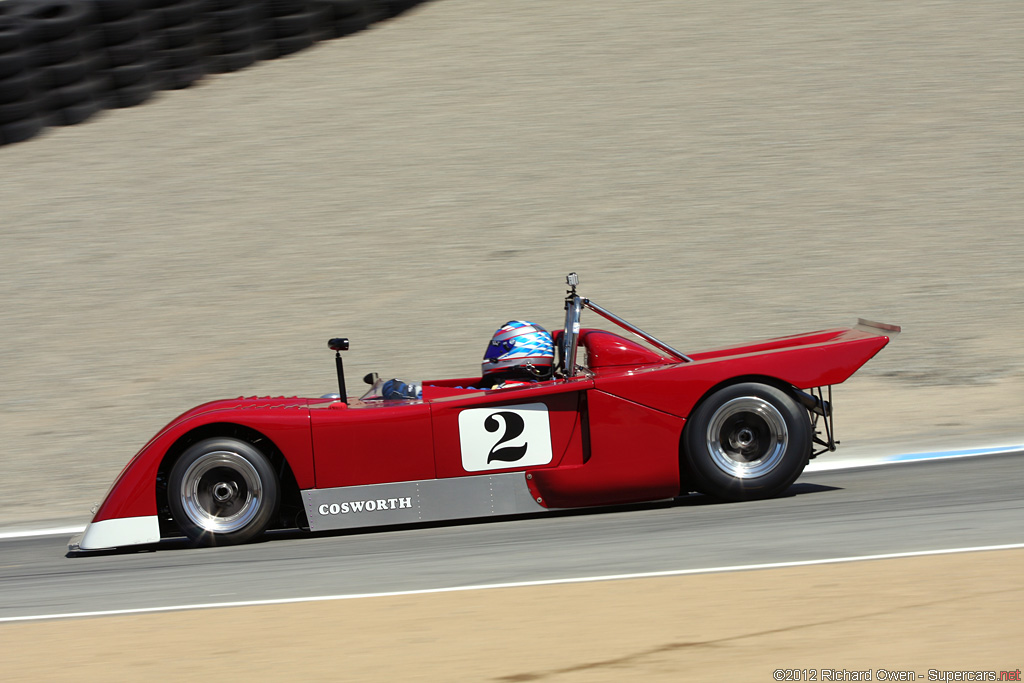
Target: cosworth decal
{"points": [[365, 505], [505, 436]]}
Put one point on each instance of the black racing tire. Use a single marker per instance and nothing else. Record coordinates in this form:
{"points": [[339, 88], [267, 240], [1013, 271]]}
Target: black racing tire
{"points": [[68, 95], [13, 30], [232, 61], [292, 44], [322, 18], [65, 73], [60, 50], [13, 62], [130, 52], [128, 74], [392, 8], [177, 13], [229, 42], [323, 33], [121, 30], [345, 27], [293, 24], [219, 5], [178, 57], [74, 113], [51, 20], [18, 131], [150, 21], [343, 9], [17, 87], [181, 35], [222, 491], [281, 8], [230, 18], [129, 95], [18, 110], [746, 441], [376, 11], [178, 77], [114, 10]]}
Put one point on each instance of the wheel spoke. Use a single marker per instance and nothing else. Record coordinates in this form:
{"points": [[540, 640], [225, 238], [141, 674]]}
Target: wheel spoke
{"points": [[221, 492], [747, 437]]}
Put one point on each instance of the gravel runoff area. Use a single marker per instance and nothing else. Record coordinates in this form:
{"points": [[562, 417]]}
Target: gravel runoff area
{"points": [[929, 616], [715, 171]]}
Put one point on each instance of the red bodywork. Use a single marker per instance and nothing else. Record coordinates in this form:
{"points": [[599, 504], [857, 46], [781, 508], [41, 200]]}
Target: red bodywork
{"points": [[615, 431]]}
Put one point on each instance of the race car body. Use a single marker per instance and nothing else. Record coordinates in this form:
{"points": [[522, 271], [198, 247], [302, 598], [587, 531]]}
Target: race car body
{"points": [[629, 422]]}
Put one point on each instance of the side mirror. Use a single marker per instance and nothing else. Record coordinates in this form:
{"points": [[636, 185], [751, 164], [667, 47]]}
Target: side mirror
{"points": [[338, 344]]}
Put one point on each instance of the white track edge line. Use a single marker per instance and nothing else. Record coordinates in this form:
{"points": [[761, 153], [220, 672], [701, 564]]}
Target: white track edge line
{"points": [[31, 533], [812, 468], [516, 584]]}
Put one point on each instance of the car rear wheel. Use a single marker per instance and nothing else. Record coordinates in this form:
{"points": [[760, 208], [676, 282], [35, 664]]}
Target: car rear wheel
{"points": [[222, 491], [746, 442]]}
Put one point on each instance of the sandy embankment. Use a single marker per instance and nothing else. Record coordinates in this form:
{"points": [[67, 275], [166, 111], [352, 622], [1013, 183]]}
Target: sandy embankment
{"points": [[715, 172], [951, 612]]}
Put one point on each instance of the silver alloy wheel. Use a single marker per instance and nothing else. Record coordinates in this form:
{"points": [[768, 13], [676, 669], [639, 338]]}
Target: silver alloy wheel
{"points": [[747, 437], [221, 492]]}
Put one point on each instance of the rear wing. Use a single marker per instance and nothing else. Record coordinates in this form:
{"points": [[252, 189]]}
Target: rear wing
{"points": [[882, 329]]}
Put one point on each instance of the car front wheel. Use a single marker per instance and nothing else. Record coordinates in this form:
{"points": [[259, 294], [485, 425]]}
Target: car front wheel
{"points": [[746, 442], [222, 491]]}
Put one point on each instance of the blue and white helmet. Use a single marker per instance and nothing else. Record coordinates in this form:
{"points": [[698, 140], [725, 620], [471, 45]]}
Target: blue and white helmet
{"points": [[520, 345]]}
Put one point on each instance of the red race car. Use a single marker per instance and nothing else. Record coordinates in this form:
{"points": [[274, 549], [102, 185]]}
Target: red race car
{"points": [[603, 420]]}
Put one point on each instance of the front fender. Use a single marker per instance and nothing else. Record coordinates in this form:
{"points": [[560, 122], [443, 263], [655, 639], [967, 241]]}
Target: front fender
{"points": [[133, 494]]}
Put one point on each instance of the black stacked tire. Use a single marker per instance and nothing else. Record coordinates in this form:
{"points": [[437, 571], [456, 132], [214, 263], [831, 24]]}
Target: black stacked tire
{"points": [[179, 50], [392, 8], [126, 51], [291, 26], [343, 17], [19, 101], [64, 59], [233, 34]]}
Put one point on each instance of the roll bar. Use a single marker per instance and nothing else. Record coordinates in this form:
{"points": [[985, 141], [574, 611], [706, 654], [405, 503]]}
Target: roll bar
{"points": [[574, 305]]}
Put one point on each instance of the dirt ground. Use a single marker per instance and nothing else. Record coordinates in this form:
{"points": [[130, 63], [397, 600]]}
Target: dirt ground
{"points": [[941, 613], [716, 172]]}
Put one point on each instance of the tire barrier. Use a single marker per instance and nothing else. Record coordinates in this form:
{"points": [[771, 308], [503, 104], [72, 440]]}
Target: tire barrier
{"points": [[178, 53], [292, 26], [62, 61], [19, 102], [233, 34], [125, 52], [343, 17]]}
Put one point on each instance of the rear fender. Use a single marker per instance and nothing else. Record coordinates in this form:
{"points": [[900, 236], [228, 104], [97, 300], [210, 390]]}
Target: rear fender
{"points": [[677, 389]]}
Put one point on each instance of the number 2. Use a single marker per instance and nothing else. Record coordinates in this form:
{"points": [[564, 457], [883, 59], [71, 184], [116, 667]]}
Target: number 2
{"points": [[514, 426]]}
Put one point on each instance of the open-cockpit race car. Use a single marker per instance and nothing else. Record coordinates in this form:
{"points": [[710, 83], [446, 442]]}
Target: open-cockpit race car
{"points": [[614, 421]]}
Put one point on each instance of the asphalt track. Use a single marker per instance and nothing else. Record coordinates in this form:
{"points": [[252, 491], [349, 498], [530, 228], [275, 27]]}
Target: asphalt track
{"points": [[871, 511]]}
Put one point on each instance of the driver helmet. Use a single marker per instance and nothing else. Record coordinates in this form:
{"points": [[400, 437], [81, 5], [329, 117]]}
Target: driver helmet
{"points": [[520, 348]]}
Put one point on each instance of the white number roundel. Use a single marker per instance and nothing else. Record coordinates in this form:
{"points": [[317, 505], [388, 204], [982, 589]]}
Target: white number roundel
{"points": [[504, 437]]}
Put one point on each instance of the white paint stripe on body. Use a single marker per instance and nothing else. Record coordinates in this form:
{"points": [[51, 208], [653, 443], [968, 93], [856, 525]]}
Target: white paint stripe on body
{"points": [[113, 533], [817, 466], [517, 584]]}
